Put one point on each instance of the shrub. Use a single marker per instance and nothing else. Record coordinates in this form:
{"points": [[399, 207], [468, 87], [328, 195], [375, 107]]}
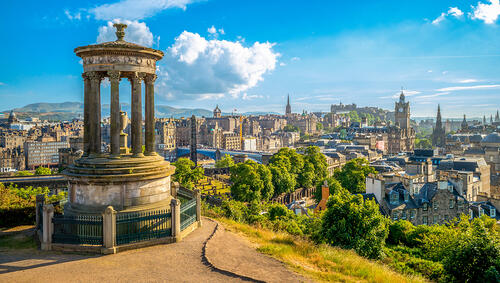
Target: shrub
{"points": [[398, 232]]}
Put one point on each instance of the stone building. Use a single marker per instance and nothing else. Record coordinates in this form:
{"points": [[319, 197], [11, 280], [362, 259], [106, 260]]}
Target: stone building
{"points": [[231, 141], [43, 153], [420, 203], [12, 159]]}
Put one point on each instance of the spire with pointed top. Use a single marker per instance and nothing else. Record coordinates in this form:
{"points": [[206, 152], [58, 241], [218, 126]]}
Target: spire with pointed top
{"points": [[438, 134], [497, 117], [288, 109]]}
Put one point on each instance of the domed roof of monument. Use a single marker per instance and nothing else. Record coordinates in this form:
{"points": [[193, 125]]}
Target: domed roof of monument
{"points": [[119, 45], [493, 138]]}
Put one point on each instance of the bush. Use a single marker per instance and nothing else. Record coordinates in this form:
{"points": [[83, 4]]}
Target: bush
{"points": [[398, 232], [353, 223]]}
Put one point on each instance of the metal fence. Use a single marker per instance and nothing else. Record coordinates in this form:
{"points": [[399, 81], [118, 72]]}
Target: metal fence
{"points": [[78, 230], [188, 213], [141, 226]]}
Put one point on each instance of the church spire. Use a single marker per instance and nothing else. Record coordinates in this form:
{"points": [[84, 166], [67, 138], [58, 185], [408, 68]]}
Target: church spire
{"points": [[497, 117], [288, 109]]}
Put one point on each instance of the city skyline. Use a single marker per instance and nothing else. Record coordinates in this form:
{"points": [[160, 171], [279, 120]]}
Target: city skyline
{"points": [[217, 53]]}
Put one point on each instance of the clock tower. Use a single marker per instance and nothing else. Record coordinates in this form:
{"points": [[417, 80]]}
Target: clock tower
{"points": [[402, 112]]}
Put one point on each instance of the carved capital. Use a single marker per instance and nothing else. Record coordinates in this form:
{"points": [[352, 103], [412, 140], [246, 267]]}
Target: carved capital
{"points": [[94, 76], [137, 77], [150, 78], [114, 75], [85, 76]]}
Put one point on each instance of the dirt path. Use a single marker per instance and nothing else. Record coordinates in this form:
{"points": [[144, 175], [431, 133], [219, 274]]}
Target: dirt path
{"points": [[180, 262]]}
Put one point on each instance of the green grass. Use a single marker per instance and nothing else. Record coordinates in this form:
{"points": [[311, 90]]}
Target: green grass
{"points": [[17, 241], [321, 263]]}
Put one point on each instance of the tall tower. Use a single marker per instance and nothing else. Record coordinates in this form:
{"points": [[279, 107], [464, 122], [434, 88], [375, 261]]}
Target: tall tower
{"points": [[288, 109], [464, 126], [402, 112], [193, 152], [217, 112], [497, 117], [438, 134]]}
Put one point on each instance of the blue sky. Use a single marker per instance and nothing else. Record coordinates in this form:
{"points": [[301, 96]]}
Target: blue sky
{"points": [[248, 55]]}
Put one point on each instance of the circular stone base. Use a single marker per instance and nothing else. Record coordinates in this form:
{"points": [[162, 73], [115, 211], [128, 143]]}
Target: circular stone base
{"points": [[126, 183]]}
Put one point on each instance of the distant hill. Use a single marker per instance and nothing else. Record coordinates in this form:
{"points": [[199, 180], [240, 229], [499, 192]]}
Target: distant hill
{"points": [[70, 110]]}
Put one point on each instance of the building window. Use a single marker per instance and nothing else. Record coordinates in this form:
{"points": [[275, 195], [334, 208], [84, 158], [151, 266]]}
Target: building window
{"points": [[493, 212], [412, 214], [426, 206], [424, 220], [407, 196], [435, 205], [403, 215], [452, 203], [395, 215], [394, 197], [435, 219], [471, 214]]}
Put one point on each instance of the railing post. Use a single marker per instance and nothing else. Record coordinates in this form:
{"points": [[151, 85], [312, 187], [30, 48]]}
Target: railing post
{"points": [[197, 195], [48, 227], [40, 200], [175, 206], [109, 231]]}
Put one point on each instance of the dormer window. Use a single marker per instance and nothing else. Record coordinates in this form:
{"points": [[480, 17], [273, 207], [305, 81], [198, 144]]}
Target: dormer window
{"points": [[394, 198], [481, 212], [493, 212], [426, 206]]}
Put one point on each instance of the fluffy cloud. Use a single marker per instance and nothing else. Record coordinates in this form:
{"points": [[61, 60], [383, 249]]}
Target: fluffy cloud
{"points": [[486, 12], [454, 88], [467, 81], [136, 32], [197, 68], [75, 16], [136, 9], [452, 11]]}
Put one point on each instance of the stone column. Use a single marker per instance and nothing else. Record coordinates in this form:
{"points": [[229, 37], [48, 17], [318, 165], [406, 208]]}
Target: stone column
{"points": [[175, 208], [114, 78], [86, 107], [95, 114], [109, 231], [48, 227], [150, 114], [136, 126], [197, 195]]}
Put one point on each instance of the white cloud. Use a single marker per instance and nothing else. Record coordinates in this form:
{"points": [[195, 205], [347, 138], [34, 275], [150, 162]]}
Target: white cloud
{"points": [[75, 16], [195, 67], [136, 32], [486, 12], [429, 71], [453, 88], [251, 96], [295, 59], [433, 95], [2, 83], [452, 11], [212, 30], [466, 81], [282, 64], [136, 10]]}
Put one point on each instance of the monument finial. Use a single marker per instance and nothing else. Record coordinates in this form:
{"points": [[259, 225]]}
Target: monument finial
{"points": [[120, 33]]}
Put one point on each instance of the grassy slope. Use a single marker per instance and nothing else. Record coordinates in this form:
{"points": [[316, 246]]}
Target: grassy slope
{"points": [[321, 263]]}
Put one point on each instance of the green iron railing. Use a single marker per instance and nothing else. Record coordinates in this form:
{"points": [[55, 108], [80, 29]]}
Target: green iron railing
{"points": [[188, 213], [78, 230], [142, 226]]}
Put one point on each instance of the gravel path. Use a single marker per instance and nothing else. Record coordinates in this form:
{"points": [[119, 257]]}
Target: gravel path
{"points": [[179, 262]]}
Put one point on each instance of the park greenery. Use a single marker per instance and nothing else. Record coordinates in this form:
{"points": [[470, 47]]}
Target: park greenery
{"points": [[39, 171], [18, 205], [225, 162], [186, 173]]}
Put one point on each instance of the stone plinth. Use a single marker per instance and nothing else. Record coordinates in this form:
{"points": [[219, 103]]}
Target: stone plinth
{"points": [[126, 183]]}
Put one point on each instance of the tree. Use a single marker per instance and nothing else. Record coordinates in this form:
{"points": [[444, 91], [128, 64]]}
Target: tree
{"points": [[43, 171], [354, 223], [334, 187], [319, 126], [291, 128], [353, 174], [225, 162], [251, 182], [283, 181], [314, 156], [186, 173], [423, 143], [474, 256]]}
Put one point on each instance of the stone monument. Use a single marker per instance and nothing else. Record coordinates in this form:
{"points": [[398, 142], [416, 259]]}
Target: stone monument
{"points": [[135, 180]]}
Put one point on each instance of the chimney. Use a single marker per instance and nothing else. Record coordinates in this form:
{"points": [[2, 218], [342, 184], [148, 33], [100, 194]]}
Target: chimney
{"points": [[325, 191]]}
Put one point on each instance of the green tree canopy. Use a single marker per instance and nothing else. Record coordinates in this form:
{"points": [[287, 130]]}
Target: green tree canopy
{"points": [[354, 223], [353, 174], [24, 173], [225, 162], [251, 182], [186, 173], [283, 180], [291, 128], [43, 171]]}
